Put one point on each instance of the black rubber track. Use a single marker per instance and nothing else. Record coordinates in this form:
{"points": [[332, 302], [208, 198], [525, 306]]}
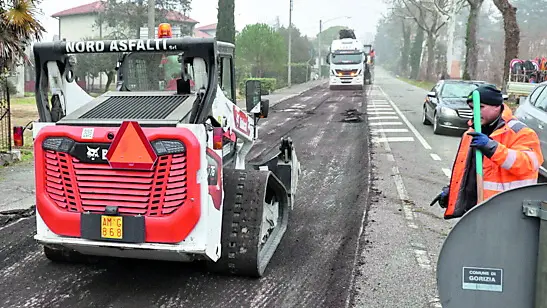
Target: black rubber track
{"points": [[245, 192]]}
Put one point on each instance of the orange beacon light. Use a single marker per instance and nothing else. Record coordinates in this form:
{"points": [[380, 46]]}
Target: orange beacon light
{"points": [[164, 31]]}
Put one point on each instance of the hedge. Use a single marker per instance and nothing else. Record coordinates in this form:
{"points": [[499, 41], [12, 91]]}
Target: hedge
{"points": [[300, 73], [277, 79], [268, 85]]}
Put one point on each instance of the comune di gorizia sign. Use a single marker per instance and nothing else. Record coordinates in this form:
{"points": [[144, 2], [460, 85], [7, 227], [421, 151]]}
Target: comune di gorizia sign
{"points": [[483, 279]]}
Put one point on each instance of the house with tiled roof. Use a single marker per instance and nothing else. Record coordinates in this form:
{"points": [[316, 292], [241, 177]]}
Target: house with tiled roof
{"points": [[80, 21], [206, 31]]}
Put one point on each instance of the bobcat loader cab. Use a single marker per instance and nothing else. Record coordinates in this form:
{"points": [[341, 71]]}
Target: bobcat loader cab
{"points": [[153, 173]]}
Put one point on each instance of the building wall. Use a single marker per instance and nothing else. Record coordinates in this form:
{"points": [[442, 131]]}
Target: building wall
{"points": [[77, 27], [74, 28], [212, 33]]}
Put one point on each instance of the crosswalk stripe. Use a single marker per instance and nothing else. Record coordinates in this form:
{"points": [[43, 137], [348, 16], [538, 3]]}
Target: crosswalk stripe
{"points": [[385, 123], [384, 118], [390, 130], [392, 139]]}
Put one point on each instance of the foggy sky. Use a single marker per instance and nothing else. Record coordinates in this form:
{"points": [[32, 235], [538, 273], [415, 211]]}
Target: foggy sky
{"points": [[306, 13]]}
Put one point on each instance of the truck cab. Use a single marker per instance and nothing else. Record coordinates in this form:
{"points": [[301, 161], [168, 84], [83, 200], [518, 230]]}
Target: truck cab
{"points": [[348, 64]]}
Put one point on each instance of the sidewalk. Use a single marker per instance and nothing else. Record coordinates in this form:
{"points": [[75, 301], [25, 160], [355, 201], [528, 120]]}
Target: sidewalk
{"points": [[17, 181], [283, 94], [17, 186]]}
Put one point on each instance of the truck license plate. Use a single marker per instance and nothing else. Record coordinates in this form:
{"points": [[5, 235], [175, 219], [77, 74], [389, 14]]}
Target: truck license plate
{"points": [[112, 227]]}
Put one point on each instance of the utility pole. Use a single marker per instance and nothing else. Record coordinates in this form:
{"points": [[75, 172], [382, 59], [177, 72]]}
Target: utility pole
{"points": [[319, 47], [290, 47], [151, 19]]}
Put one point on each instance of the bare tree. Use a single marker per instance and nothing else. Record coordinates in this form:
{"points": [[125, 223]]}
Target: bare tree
{"points": [[429, 16], [512, 35], [472, 48], [407, 30]]}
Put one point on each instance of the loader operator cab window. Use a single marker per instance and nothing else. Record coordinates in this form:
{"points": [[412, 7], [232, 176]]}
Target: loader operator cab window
{"points": [[161, 71]]}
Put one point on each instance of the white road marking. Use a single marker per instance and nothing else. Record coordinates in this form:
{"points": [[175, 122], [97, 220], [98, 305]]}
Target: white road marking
{"points": [[390, 130], [381, 112], [435, 156], [412, 128], [423, 259], [379, 109], [385, 123], [371, 110], [403, 195], [384, 118], [447, 172], [390, 157], [392, 139], [435, 302]]}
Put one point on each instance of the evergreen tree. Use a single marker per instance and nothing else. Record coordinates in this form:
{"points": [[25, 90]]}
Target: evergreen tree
{"points": [[226, 29]]}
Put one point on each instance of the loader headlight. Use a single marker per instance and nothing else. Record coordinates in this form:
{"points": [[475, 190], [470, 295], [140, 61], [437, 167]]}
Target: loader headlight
{"points": [[58, 144], [164, 147]]}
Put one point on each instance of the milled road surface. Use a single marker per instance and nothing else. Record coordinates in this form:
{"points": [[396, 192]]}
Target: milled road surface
{"points": [[313, 266]]}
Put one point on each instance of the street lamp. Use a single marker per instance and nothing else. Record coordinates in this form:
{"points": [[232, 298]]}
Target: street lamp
{"points": [[321, 22]]}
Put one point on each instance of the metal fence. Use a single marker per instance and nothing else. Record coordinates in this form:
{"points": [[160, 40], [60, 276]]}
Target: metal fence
{"points": [[5, 117]]}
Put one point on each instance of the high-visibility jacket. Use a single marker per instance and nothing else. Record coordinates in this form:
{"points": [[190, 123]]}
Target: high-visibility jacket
{"points": [[515, 163]]}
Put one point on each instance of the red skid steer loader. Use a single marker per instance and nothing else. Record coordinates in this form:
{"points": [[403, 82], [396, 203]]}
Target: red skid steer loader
{"points": [[153, 171]]}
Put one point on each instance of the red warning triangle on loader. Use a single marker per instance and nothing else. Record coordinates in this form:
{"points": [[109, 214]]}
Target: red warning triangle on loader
{"points": [[131, 149]]}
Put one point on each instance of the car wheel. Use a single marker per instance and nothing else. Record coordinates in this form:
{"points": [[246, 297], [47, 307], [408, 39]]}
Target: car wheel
{"points": [[436, 128], [425, 121]]}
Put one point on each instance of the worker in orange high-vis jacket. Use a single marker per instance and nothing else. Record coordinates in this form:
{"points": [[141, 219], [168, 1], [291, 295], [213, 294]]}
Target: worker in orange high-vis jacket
{"points": [[511, 156]]}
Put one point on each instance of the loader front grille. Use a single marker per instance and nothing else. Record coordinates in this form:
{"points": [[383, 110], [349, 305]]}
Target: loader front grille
{"points": [[82, 187]]}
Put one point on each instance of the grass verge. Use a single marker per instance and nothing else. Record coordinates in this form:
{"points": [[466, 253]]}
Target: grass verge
{"points": [[426, 85]]}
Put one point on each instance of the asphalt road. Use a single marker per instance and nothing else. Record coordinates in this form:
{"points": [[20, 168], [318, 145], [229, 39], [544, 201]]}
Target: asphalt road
{"points": [[312, 267], [349, 244]]}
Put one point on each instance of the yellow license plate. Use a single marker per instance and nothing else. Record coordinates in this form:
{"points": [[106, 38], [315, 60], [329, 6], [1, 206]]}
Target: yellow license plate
{"points": [[111, 227]]}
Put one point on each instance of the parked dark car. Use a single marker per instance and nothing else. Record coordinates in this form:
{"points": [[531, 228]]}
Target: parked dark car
{"points": [[446, 108], [532, 111]]}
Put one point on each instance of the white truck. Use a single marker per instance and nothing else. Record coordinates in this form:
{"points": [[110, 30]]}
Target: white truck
{"points": [[348, 64]]}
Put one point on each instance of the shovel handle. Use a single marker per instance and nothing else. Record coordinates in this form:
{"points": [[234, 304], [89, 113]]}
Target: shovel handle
{"points": [[478, 153]]}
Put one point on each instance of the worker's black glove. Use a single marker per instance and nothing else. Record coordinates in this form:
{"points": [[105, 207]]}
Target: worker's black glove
{"points": [[442, 198]]}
